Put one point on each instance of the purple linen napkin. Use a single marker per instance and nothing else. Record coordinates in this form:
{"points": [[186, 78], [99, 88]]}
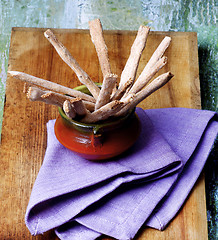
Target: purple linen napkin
{"points": [[84, 199]]}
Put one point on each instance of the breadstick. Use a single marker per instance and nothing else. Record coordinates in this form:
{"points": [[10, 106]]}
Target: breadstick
{"points": [[79, 106], [129, 71], [155, 63], [147, 75], [144, 93], [97, 38], [106, 90], [72, 63], [36, 94], [158, 53], [50, 99], [50, 85], [104, 112], [89, 105], [123, 89], [61, 98], [69, 110]]}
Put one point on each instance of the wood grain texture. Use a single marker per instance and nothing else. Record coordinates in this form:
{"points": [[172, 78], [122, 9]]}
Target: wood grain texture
{"points": [[24, 125]]}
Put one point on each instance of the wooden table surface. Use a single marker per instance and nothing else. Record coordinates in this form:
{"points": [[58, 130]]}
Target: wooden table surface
{"points": [[23, 141]]}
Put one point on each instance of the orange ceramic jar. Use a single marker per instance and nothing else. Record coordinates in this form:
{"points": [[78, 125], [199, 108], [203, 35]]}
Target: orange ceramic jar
{"points": [[100, 140]]}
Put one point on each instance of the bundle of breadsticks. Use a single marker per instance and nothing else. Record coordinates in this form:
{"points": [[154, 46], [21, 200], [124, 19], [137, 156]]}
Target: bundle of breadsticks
{"points": [[113, 99]]}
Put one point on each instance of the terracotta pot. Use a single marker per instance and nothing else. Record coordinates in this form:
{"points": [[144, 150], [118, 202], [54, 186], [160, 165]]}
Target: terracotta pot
{"points": [[97, 141]]}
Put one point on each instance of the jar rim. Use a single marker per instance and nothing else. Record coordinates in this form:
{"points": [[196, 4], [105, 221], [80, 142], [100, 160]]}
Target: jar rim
{"points": [[98, 125], [107, 123]]}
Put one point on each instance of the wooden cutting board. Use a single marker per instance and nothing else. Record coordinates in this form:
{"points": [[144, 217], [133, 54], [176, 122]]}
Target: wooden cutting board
{"points": [[24, 125]]}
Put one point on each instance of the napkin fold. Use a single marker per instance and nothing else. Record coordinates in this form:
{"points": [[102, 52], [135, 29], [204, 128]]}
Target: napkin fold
{"points": [[82, 199]]}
